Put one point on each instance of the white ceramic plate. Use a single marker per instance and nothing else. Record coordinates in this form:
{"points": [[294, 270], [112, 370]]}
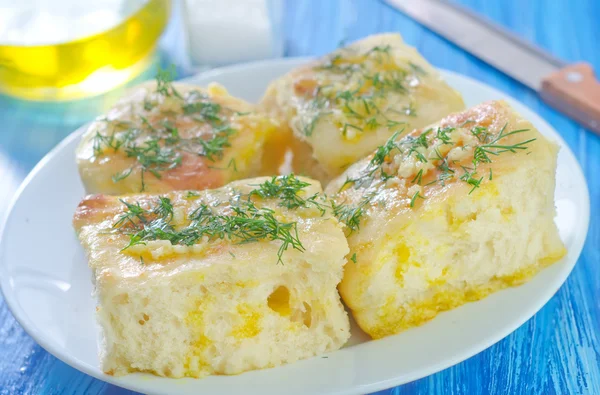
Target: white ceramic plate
{"points": [[47, 284]]}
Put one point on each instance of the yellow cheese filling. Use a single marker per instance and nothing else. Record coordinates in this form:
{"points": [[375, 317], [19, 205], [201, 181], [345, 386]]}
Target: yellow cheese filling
{"points": [[394, 318]]}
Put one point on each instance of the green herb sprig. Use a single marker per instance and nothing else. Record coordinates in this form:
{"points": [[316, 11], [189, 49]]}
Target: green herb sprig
{"points": [[360, 104], [375, 167], [247, 223], [162, 146], [351, 215], [490, 145], [289, 190]]}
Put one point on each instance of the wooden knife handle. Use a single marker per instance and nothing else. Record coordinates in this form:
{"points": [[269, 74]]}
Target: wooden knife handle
{"points": [[575, 91]]}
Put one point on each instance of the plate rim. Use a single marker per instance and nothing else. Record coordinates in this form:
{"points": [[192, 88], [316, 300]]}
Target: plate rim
{"points": [[484, 344]]}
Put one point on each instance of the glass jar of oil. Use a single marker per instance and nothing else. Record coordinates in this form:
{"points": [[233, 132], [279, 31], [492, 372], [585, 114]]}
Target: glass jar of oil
{"points": [[69, 49]]}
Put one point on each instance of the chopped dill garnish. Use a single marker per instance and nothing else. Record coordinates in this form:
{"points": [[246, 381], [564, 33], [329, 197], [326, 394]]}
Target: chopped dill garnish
{"points": [[310, 127], [348, 125], [205, 110], [418, 143], [288, 190], [482, 152], [192, 195], [469, 177], [385, 150], [119, 176], [418, 177], [429, 143], [442, 135], [417, 69], [380, 49], [316, 109], [350, 215], [152, 157], [490, 145], [367, 176], [410, 110], [480, 132], [353, 257], [372, 123], [246, 224], [370, 77], [446, 173], [392, 124], [213, 148], [157, 146], [164, 208], [414, 198], [231, 165], [163, 82], [134, 211]]}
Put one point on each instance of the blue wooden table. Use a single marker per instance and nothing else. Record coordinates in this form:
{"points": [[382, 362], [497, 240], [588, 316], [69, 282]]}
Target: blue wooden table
{"points": [[556, 352]]}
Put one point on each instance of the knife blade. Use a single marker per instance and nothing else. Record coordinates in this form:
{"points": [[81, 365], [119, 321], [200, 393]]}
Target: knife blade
{"points": [[571, 89]]}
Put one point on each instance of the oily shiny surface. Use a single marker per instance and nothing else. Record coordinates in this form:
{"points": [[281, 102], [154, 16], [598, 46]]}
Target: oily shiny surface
{"points": [[208, 304], [354, 99], [95, 218], [554, 352], [373, 365], [496, 117], [428, 241], [107, 164]]}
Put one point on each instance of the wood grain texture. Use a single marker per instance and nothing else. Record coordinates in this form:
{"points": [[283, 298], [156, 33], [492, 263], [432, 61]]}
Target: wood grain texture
{"points": [[575, 91], [556, 352]]}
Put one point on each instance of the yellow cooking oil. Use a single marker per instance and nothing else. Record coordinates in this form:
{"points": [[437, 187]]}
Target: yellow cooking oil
{"points": [[84, 66]]}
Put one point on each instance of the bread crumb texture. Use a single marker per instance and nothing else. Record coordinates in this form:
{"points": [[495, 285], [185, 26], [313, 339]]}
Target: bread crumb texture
{"points": [[440, 228], [218, 305]]}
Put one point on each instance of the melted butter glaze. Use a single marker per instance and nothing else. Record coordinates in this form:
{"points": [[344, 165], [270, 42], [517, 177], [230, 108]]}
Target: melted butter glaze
{"points": [[398, 190], [99, 161], [96, 216], [354, 99]]}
